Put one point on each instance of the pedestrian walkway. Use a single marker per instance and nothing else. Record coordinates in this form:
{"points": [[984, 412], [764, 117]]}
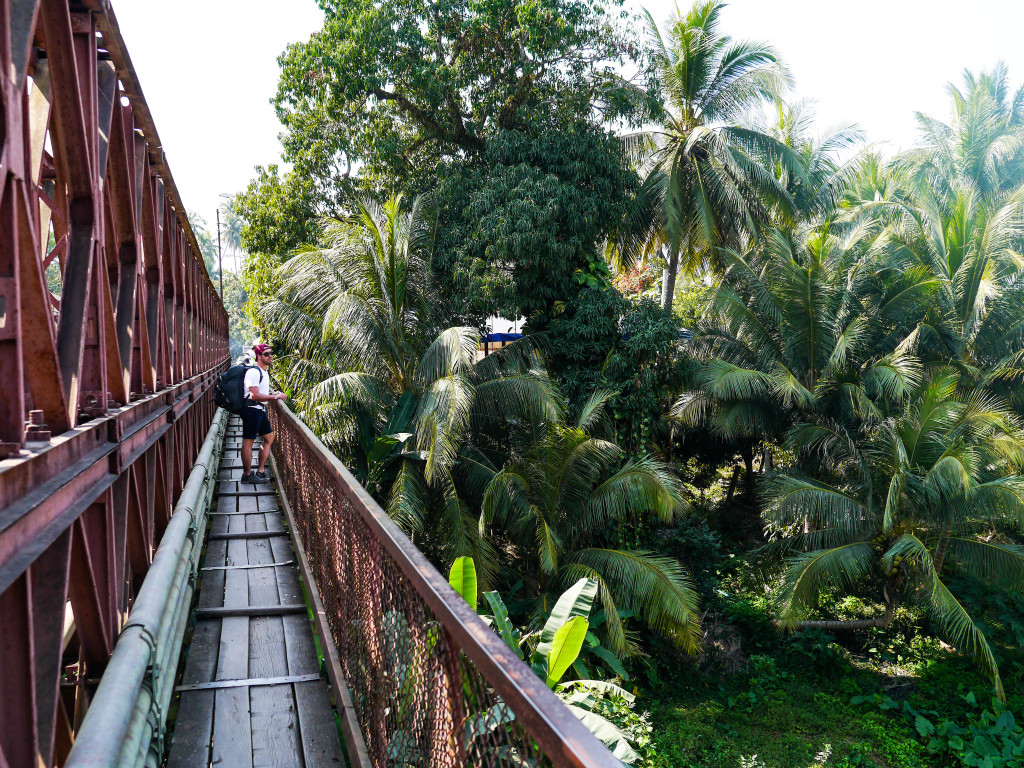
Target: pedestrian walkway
{"points": [[251, 693]]}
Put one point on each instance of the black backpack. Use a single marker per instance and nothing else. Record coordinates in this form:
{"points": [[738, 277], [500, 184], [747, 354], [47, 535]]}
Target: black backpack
{"points": [[229, 391]]}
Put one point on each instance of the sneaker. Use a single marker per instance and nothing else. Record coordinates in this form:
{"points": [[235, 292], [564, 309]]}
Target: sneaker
{"points": [[250, 478], [262, 476]]}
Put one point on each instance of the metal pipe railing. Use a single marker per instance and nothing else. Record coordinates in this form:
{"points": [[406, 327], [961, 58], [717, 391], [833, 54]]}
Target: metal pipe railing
{"points": [[431, 683], [126, 720]]}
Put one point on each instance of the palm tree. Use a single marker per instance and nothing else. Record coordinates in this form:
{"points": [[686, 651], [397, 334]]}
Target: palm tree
{"points": [[915, 501], [982, 145], [824, 177], [231, 227], [955, 208], [551, 505], [806, 326], [972, 250], [206, 244], [380, 381], [703, 184]]}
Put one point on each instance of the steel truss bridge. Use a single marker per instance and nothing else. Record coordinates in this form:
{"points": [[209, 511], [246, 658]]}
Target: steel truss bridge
{"points": [[113, 460]]}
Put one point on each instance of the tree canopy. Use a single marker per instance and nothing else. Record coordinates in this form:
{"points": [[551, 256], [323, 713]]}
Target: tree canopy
{"points": [[394, 87]]}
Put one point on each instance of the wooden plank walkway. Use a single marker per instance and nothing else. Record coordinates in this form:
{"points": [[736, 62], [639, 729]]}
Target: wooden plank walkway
{"points": [[251, 723]]}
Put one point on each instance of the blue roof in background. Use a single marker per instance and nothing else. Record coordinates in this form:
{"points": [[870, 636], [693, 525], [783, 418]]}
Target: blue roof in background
{"points": [[502, 336]]}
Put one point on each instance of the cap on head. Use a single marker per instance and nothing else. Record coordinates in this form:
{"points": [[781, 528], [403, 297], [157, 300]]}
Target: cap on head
{"points": [[259, 349]]}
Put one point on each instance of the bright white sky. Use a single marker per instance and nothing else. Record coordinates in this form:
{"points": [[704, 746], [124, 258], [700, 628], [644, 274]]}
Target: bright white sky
{"points": [[208, 68]]}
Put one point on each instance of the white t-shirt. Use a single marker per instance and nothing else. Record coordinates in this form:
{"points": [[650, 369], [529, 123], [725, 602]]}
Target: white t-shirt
{"points": [[254, 379]]}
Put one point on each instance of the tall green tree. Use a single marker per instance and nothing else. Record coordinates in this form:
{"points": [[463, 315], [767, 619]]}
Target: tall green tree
{"points": [[707, 177], [804, 326], [826, 172], [955, 208], [519, 227], [381, 381], [982, 145], [499, 109], [554, 499], [398, 86], [912, 504]]}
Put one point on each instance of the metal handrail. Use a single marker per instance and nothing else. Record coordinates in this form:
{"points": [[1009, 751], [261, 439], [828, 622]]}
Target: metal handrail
{"points": [[346, 534]]}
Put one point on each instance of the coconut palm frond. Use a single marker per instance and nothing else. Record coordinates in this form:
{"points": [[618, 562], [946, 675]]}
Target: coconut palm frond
{"points": [[655, 588], [643, 486], [999, 564], [451, 353], [841, 566], [407, 500]]}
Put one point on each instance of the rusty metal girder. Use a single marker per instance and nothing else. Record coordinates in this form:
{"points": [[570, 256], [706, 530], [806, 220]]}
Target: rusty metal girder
{"points": [[111, 335]]}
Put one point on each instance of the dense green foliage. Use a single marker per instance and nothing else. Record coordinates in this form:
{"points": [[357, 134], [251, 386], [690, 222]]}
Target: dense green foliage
{"points": [[705, 181], [795, 481], [517, 228], [413, 82]]}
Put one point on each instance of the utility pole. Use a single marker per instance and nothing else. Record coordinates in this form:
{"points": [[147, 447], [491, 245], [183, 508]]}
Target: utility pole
{"points": [[220, 261]]}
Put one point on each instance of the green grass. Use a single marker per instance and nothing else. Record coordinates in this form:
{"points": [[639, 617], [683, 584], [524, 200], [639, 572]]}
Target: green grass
{"points": [[793, 702], [787, 721]]}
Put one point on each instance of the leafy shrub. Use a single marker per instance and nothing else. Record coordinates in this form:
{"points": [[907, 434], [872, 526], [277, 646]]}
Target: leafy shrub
{"points": [[646, 370], [637, 726], [988, 738], [692, 542], [818, 648]]}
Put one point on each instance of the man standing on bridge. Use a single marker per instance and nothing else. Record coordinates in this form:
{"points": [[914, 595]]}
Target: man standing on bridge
{"points": [[254, 414]]}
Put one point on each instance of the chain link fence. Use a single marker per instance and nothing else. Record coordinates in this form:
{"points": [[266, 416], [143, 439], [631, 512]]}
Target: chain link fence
{"points": [[431, 684]]}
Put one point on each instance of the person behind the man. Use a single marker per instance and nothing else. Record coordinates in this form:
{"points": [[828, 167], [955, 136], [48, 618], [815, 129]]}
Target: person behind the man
{"points": [[254, 415]]}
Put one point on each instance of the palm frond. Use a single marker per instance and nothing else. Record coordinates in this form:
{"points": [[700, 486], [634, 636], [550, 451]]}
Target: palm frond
{"points": [[841, 566], [655, 588]]}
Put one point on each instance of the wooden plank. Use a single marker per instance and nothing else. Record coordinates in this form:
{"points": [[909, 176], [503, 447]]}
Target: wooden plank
{"points": [[211, 590], [298, 640], [275, 520], [232, 730], [269, 504], [275, 725], [228, 503], [287, 578], [250, 610], [190, 745], [248, 504], [263, 581], [321, 744], [355, 745], [224, 506], [245, 535], [275, 738]]}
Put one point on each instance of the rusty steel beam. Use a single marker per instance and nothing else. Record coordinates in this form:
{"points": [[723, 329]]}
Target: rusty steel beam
{"points": [[111, 335]]}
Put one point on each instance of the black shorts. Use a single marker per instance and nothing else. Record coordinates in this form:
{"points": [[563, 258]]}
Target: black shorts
{"points": [[254, 422]]}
